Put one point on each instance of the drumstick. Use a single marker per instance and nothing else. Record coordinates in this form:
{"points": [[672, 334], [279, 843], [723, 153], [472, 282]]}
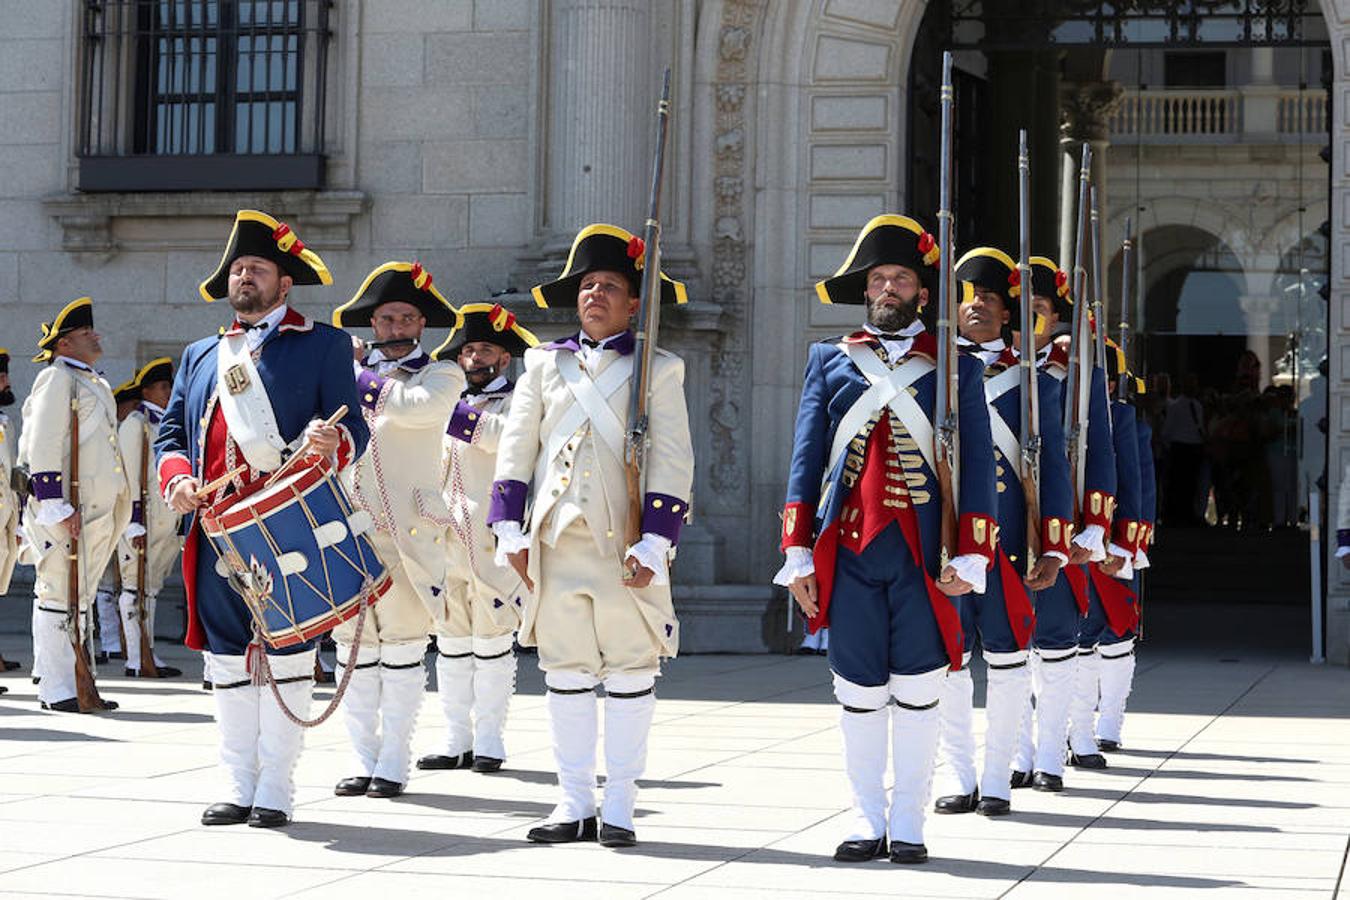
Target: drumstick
{"points": [[209, 489], [304, 448]]}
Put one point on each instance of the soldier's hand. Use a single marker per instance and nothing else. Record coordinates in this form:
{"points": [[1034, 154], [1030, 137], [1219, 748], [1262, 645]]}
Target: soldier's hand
{"points": [[520, 561], [71, 524], [1112, 564], [138, 542], [1044, 573], [322, 439], [952, 585], [183, 497], [358, 348], [1078, 555], [636, 575], [806, 591]]}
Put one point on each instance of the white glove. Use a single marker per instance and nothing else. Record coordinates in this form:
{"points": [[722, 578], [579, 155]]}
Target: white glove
{"points": [[49, 512], [510, 539], [971, 568], [652, 551], [799, 563], [1126, 572], [1092, 538], [1141, 561], [133, 531]]}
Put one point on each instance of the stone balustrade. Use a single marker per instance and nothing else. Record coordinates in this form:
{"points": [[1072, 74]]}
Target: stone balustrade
{"points": [[1258, 113]]}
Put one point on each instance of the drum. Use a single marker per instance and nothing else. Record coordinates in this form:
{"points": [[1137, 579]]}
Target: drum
{"points": [[298, 552]]}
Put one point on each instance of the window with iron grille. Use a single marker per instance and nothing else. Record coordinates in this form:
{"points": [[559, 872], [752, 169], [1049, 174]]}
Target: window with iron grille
{"points": [[203, 94]]}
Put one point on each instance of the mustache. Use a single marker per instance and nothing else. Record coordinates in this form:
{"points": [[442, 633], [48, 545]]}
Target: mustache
{"points": [[481, 372]]}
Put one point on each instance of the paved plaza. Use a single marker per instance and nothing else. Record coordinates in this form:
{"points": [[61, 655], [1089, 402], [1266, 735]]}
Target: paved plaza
{"points": [[1236, 784]]}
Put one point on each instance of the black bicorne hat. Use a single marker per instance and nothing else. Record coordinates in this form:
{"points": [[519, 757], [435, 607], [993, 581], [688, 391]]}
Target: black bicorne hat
{"points": [[406, 282], [1049, 280], [990, 269], [75, 314], [490, 322], [258, 234], [886, 240], [606, 248]]}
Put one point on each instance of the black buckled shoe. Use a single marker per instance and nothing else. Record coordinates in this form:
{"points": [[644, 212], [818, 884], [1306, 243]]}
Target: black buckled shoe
{"points": [[1087, 760], [993, 806], [957, 803], [1106, 746], [161, 672], [267, 818], [563, 832], [355, 786], [441, 761], [10, 665], [861, 851], [614, 836], [225, 814], [1047, 783], [1021, 780], [908, 854], [3, 689], [487, 764], [69, 705], [383, 788]]}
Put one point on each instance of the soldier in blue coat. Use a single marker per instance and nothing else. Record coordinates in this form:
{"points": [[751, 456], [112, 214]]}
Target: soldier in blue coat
{"points": [[252, 395], [861, 528], [1057, 665], [1003, 617], [1108, 628]]}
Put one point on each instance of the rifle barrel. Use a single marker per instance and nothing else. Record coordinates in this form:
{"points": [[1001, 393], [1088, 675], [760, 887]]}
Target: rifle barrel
{"points": [[1126, 301]]}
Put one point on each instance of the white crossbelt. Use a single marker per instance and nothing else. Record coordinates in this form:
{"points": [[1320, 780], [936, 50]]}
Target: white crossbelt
{"points": [[245, 404], [592, 404], [1004, 439]]}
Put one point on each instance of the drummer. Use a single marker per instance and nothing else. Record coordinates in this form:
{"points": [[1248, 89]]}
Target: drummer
{"points": [[251, 397], [406, 399]]}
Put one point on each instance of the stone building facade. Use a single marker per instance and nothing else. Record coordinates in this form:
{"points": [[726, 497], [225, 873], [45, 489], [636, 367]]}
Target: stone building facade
{"points": [[477, 135]]}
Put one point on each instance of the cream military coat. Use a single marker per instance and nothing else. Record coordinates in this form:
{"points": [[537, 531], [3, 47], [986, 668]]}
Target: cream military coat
{"points": [[398, 481], [105, 498], [585, 477], [162, 543]]}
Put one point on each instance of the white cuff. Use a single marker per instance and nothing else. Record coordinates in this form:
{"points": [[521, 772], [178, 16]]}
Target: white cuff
{"points": [[167, 490], [1092, 538], [1063, 560], [510, 539], [799, 563], [971, 568], [1126, 572], [1141, 561], [1343, 551], [133, 531], [49, 512], [652, 552]]}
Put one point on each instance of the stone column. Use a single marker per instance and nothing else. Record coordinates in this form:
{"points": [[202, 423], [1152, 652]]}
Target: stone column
{"points": [[600, 110], [1084, 115], [1257, 310]]}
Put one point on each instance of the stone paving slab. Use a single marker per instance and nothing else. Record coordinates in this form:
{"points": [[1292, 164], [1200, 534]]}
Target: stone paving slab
{"points": [[1235, 783]]}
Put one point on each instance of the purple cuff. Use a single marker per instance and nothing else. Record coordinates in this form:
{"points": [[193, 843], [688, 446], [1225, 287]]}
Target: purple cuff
{"points": [[463, 422], [369, 385], [663, 514], [47, 485], [508, 502], [1343, 537], [137, 515]]}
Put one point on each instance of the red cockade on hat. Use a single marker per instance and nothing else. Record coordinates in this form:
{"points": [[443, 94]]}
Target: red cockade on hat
{"points": [[637, 251], [421, 278], [1015, 283], [287, 240]]}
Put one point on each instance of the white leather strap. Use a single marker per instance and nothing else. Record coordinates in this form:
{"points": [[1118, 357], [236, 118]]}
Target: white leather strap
{"points": [[887, 390], [246, 406], [1004, 439], [591, 403]]}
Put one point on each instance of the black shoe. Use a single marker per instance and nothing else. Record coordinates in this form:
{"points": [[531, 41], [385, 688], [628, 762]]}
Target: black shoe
{"points": [[100, 658], [487, 764], [3, 689], [563, 832], [323, 676], [352, 787], [1021, 780], [383, 788], [207, 685], [993, 806], [441, 761], [1047, 783], [908, 854], [614, 836], [163, 672], [71, 705], [36, 679], [225, 814], [861, 851], [1106, 746], [957, 803], [10, 665], [1087, 760], [267, 818]]}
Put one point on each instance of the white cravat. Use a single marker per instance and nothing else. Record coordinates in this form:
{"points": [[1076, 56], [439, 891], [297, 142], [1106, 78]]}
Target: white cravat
{"points": [[253, 337], [896, 350], [383, 365]]}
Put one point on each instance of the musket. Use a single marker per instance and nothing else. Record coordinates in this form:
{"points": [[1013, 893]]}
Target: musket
{"points": [[648, 327], [945, 417], [1030, 437], [1126, 301], [86, 694], [1098, 292], [147, 661], [1079, 375]]}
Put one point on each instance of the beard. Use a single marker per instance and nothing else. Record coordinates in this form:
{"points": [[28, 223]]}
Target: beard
{"points": [[892, 318], [250, 299], [7, 397], [483, 376]]}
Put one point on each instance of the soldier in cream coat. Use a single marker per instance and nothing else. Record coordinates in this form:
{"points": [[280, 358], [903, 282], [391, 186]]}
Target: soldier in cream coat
{"points": [[128, 398], [70, 346], [406, 398], [9, 501], [483, 601], [154, 529], [601, 610]]}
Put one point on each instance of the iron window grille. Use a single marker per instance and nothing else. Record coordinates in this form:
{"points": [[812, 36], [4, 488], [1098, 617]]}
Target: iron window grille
{"points": [[203, 94]]}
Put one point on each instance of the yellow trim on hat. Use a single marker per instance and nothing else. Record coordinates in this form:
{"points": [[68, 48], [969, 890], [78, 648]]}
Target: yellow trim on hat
{"points": [[395, 266], [992, 253], [1053, 266], [309, 257], [470, 308], [601, 228], [130, 385], [51, 331], [892, 219], [139, 378]]}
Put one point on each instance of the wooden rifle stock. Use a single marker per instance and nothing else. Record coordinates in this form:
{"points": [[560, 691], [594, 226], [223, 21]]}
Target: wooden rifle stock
{"points": [[1030, 437], [945, 401], [649, 323], [147, 660], [86, 694]]}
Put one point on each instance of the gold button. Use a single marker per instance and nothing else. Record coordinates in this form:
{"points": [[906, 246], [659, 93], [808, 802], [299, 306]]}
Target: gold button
{"points": [[117, 470], [855, 535], [370, 398], [674, 507], [586, 474], [657, 504], [413, 531], [609, 534], [436, 539], [555, 492], [473, 417]]}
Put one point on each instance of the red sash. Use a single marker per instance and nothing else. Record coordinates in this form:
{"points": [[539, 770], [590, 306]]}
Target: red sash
{"points": [[1021, 611]]}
